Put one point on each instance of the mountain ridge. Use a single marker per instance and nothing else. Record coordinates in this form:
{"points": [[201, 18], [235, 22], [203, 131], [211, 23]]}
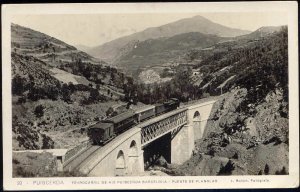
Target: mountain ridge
{"points": [[109, 50], [262, 31]]}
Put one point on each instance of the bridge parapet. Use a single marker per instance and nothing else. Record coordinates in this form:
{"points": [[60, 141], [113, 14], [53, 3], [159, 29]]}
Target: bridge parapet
{"points": [[76, 150], [161, 125]]}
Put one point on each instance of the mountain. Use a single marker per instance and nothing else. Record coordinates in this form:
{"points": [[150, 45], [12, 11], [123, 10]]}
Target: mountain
{"points": [[261, 32], [164, 51], [110, 51], [46, 48]]}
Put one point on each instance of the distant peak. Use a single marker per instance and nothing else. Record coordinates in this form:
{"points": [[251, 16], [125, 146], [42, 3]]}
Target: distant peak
{"points": [[200, 17], [269, 28]]}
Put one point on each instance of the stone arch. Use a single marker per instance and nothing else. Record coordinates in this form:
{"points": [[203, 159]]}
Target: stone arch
{"points": [[196, 115], [133, 150], [133, 161], [120, 164], [198, 132]]}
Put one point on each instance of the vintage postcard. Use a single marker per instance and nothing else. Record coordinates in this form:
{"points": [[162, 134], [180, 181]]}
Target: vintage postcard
{"points": [[150, 95]]}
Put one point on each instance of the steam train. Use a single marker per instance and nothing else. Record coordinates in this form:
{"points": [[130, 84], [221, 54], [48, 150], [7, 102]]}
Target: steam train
{"points": [[105, 130]]}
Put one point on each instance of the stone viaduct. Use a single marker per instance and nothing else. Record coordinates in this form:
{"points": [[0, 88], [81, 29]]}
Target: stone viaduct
{"points": [[171, 135]]}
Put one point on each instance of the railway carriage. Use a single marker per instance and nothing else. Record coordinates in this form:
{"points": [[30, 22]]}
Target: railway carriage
{"points": [[106, 130], [145, 113], [101, 132], [123, 121]]}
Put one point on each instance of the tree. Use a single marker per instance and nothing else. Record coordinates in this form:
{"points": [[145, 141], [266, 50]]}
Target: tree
{"points": [[66, 93], [267, 169], [36, 93], [98, 81], [94, 95], [87, 72], [97, 86], [72, 87], [18, 85], [39, 111], [112, 76], [52, 93]]}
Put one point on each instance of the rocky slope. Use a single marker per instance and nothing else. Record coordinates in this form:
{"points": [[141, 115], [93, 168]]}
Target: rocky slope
{"points": [[236, 143]]}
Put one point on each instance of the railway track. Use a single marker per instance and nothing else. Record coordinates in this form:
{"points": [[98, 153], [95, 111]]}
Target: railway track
{"points": [[80, 158]]}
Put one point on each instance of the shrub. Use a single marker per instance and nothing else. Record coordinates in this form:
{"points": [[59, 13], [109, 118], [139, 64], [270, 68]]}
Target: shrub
{"points": [[260, 172], [227, 169], [282, 171], [21, 172]]}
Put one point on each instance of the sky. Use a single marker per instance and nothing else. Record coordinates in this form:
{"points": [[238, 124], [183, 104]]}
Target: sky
{"points": [[96, 29]]}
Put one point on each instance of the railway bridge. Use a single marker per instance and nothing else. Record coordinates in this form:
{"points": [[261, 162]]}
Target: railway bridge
{"points": [[170, 135]]}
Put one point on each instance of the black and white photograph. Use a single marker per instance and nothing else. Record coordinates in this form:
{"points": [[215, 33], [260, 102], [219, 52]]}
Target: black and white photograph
{"points": [[151, 94]]}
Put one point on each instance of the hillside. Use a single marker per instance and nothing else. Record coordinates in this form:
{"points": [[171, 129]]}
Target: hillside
{"points": [[56, 90], [110, 52], [48, 49], [164, 51]]}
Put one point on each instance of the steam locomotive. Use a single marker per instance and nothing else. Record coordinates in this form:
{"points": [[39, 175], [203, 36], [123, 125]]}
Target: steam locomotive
{"points": [[105, 130]]}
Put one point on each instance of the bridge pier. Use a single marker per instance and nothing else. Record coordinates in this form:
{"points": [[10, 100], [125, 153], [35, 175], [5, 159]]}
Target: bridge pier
{"points": [[182, 144], [136, 163]]}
